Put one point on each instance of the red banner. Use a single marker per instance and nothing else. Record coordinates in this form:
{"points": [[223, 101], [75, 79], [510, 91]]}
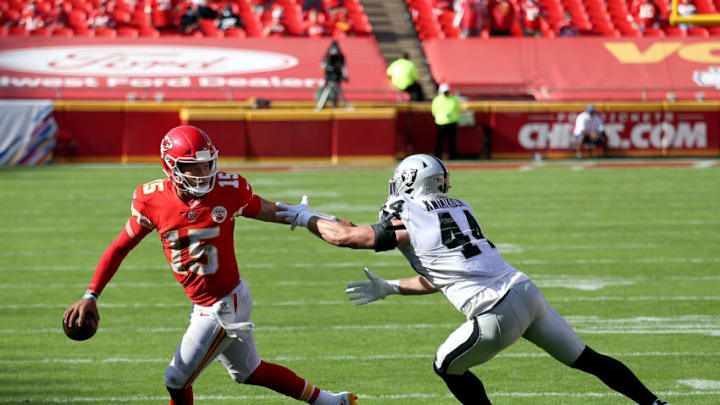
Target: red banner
{"points": [[628, 133], [579, 68], [184, 69]]}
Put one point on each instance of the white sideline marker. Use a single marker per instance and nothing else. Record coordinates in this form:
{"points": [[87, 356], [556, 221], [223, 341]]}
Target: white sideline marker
{"points": [[701, 384]]}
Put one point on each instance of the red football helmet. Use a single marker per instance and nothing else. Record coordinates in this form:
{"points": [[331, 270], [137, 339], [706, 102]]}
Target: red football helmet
{"points": [[188, 144]]}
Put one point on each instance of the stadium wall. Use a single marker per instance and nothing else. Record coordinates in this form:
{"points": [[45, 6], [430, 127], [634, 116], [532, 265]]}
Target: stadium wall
{"points": [[130, 131]]}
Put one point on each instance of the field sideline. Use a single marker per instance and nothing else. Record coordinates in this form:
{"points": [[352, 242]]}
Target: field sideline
{"points": [[627, 251]]}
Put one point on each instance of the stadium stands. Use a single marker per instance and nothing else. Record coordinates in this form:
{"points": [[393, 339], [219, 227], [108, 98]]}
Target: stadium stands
{"points": [[154, 18], [611, 18]]}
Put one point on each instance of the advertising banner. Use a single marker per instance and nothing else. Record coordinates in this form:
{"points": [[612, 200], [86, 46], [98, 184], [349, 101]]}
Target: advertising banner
{"points": [[184, 68], [628, 133], [580, 67]]}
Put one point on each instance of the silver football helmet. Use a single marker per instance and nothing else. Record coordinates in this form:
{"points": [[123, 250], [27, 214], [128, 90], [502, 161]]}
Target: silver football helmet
{"points": [[419, 175]]}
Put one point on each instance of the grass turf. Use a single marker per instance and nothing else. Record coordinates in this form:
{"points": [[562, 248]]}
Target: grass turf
{"points": [[630, 256]]}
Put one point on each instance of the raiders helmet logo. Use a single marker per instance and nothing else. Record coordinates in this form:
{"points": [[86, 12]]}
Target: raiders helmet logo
{"points": [[166, 144], [409, 176], [219, 214]]}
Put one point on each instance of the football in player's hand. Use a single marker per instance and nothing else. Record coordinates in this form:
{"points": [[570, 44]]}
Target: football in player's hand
{"points": [[84, 331]]}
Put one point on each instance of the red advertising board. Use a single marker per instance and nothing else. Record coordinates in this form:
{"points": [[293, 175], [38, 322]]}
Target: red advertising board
{"points": [[629, 133], [184, 68], [580, 67]]}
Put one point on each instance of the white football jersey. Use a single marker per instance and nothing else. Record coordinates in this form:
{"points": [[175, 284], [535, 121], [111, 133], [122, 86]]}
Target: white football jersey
{"points": [[450, 250]]}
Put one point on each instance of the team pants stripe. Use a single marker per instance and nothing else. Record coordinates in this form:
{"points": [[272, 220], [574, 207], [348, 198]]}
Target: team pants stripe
{"points": [[207, 357], [309, 388], [462, 348]]}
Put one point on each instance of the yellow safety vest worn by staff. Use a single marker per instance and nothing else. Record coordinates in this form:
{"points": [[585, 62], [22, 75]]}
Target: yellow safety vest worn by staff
{"points": [[446, 109], [402, 73]]}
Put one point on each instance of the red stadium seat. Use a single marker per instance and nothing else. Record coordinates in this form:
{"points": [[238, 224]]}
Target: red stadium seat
{"points": [[63, 32], [105, 32], [77, 18], [121, 17], [40, 32], [705, 7], [148, 32], [140, 19], [161, 18], [18, 31], [671, 31], [714, 30], [122, 5], [653, 32], [234, 33], [127, 32], [698, 32], [83, 32]]}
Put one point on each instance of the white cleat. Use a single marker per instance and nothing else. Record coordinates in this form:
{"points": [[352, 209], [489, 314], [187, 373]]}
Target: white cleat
{"points": [[659, 402], [346, 398]]}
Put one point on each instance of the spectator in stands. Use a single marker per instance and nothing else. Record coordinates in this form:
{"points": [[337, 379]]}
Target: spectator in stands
{"points": [[686, 8], [589, 129], [333, 64], [446, 111], [188, 21], [532, 13], [275, 27], [29, 18], [502, 17], [315, 27], [645, 14], [403, 75], [470, 17], [98, 17], [566, 27], [228, 19], [49, 15], [340, 24]]}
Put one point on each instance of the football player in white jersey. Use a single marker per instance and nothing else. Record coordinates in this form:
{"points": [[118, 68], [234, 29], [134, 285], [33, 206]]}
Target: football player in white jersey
{"points": [[444, 243]]}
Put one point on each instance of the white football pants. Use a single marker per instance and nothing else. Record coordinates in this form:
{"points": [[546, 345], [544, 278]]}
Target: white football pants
{"points": [[523, 312], [209, 337]]}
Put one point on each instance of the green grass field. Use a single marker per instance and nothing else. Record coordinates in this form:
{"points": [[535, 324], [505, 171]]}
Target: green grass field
{"points": [[631, 258]]}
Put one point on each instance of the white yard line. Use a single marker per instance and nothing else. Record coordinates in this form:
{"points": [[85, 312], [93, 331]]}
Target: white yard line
{"points": [[679, 325], [698, 384], [543, 262], [396, 302]]}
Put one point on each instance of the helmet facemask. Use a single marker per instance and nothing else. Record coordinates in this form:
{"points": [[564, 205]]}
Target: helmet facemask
{"points": [[195, 185]]}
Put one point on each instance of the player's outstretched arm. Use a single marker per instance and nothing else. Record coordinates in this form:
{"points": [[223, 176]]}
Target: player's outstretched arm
{"points": [[300, 214], [343, 235], [376, 288], [110, 261]]}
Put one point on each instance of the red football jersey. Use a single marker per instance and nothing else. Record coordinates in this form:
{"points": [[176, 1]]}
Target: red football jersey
{"points": [[198, 239]]}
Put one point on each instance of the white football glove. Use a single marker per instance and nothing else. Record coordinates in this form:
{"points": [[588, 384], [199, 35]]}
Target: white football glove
{"points": [[300, 214], [374, 289]]}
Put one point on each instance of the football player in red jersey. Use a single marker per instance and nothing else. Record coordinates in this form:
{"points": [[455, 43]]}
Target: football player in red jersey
{"points": [[193, 211]]}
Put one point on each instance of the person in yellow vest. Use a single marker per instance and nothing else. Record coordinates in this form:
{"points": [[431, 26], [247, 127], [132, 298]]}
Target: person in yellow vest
{"points": [[446, 110], [403, 75]]}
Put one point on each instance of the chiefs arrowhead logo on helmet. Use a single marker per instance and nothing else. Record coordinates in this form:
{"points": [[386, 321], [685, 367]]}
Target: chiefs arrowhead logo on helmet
{"points": [[166, 144]]}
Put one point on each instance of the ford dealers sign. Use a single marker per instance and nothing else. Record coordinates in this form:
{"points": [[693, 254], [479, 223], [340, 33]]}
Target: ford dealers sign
{"points": [[142, 60]]}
